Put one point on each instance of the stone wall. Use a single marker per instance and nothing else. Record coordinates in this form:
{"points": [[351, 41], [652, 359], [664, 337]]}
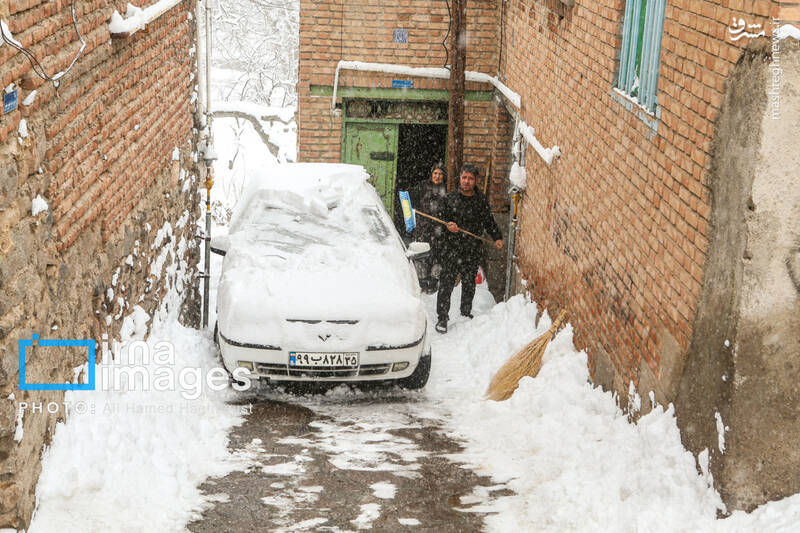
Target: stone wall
{"points": [[111, 151], [739, 392]]}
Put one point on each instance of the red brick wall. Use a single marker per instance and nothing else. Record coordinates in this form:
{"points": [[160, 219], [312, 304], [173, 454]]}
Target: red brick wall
{"points": [[116, 116], [617, 229], [333, 30]]}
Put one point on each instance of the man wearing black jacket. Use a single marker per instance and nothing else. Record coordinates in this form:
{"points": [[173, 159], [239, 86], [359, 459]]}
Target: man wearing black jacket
{"points": [[465, 208]]}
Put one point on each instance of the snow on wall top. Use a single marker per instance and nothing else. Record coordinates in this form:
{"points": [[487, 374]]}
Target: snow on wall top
{"points": [[262, 112], [788, 31], [137, 18]]}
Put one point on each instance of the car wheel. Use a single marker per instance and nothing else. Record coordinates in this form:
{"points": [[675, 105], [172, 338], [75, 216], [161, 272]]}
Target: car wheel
{"points": [[419, 377]]}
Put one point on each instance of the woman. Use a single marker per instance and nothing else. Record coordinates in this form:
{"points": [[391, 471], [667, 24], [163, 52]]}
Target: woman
{"points": [[427, 196]]}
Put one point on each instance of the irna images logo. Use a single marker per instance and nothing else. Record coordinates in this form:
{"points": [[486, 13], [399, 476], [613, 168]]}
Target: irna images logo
{"points": [[35, 342]]}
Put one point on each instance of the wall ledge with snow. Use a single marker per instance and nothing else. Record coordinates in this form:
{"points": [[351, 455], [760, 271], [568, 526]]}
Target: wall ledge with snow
{"points": [[137, 18]]}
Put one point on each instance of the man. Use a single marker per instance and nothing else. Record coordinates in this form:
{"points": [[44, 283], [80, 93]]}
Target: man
{"points": [[465, 208], [428, 196]]}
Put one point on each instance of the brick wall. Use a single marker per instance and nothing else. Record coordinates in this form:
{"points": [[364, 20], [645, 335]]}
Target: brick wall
{"points": [[114, 111], [100, 151], [617, 229], [333, 30]]}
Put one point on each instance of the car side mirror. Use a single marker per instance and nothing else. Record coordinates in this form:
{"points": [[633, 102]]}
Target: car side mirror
{"points": [[220, 244], [418, 250]]}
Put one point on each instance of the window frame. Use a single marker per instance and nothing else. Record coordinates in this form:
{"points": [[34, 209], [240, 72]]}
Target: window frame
{"points": [[640, 54]]}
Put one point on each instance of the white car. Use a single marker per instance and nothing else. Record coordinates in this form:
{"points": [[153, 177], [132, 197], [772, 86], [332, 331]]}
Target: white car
{"points": [[317, 285]]}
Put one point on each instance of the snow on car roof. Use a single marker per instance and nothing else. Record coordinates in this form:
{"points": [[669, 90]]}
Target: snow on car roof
{"points": [[319, 183], [309, 204]]}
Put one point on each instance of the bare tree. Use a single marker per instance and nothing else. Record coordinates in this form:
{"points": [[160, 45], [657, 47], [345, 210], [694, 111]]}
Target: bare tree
{"points": [[256, 50]]}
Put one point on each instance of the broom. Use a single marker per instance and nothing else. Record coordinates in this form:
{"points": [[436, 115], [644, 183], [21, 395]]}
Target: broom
{"points": [[526, 362], [440, 221]]}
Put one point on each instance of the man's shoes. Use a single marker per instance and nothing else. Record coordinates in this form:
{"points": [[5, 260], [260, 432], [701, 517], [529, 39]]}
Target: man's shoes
{"points": [[441, 325], [467, 315]]}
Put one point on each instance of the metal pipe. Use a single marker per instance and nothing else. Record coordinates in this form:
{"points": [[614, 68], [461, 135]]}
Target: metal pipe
{"points": [[200, 53], [512, 239], [208, 43], [518, 155], [422, 72], [547, 154], [209, 159], [207, 263]]}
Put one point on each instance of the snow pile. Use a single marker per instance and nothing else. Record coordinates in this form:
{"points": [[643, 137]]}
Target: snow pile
{"points": [[7, 34], [38, 205], [518, 176], [133, 452], [137, 18], [137, 456], [30, 98], [23, 129], [788, 31], [565, 447]]}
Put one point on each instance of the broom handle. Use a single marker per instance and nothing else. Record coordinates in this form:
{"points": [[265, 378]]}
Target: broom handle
{"points": [[426, 215]]}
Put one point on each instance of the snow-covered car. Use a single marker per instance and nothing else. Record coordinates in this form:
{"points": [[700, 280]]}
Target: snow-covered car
{"points": [[317, 285]]}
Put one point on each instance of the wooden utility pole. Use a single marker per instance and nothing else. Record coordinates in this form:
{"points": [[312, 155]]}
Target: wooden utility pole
{"points": [[458, 60]]}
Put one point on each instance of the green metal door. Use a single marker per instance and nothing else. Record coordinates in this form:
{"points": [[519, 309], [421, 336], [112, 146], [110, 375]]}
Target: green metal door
{"points": [[374, 145]]}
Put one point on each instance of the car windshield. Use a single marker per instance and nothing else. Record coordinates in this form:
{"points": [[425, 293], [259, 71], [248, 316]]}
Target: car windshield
{"points": [[291, 223]]}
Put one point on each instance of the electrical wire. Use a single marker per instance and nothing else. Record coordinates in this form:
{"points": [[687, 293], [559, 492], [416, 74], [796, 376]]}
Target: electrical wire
{"points": [[38, 69], [444, 42]]}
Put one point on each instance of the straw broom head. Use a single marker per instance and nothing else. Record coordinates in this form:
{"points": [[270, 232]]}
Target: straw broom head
{"points": [[526, 362]]}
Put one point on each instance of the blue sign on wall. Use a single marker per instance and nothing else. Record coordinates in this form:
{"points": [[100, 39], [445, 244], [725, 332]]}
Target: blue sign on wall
{"points": [[400, 36], [10, 101], [402, 84]]}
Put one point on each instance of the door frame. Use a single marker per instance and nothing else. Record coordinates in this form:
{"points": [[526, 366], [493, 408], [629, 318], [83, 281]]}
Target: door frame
{"points": [[382, 121]]}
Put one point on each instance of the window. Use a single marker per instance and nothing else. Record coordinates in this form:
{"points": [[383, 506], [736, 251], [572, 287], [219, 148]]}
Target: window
{"points": [[641, 50]]}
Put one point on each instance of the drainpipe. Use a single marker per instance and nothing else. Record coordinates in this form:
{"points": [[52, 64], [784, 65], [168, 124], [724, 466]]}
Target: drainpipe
{"points": [[208, 44], [208, 156], [529, 134], [515, 193], [200, 54], [421, 72]]}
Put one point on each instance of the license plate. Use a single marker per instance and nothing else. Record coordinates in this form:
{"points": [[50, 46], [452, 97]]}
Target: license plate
{"points": [[323, 359]]}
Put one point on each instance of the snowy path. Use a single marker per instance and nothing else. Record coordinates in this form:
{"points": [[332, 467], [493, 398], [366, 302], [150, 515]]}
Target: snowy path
{"points": [[558, 456], [346, 462]]}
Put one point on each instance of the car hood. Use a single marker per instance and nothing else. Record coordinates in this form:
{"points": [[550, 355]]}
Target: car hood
{"points": [[320, 305]]}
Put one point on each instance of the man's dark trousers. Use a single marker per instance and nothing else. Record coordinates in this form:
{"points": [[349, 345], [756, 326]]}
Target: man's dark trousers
{"points": [[457, 262]]}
